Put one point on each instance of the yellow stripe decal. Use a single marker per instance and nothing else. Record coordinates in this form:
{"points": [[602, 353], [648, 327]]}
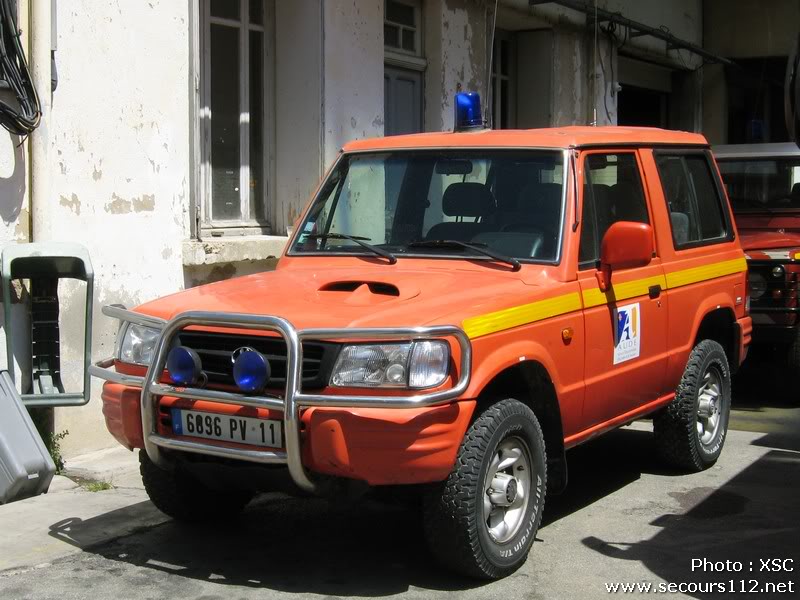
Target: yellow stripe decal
{"points": [[697, 274], [521, 315], [622, 291], [516, 316]]}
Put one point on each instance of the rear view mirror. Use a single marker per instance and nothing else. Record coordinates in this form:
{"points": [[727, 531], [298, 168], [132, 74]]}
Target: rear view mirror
{"points": [[626, 245], [453, 167]]}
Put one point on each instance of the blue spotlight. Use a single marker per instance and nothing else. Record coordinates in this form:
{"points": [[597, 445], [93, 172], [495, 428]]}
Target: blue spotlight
{"points": [[183, 365], [250, 370], [468, 111]]}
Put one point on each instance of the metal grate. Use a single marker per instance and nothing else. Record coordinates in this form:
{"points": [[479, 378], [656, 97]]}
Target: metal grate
{"points": [[215, 350]]}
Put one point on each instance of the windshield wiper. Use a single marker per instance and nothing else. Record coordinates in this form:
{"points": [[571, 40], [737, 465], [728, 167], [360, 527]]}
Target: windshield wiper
{"points": [[515, 264], [361, 241]]}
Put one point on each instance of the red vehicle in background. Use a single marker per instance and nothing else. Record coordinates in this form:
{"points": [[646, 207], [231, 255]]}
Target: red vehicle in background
{"points": [[763, 182]]}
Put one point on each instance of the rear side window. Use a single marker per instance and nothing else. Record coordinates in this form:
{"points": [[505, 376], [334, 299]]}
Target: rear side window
{"points": [[694, 200]]}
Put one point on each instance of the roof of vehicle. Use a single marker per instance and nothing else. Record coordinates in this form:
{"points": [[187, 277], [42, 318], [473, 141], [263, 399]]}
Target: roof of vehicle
{"points": [[555, 137], [756, 150]]}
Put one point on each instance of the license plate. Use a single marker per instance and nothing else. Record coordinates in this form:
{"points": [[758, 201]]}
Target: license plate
{"points": [[228, 428]]}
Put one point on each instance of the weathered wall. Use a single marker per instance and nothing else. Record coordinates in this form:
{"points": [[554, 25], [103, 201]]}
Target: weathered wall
{"points": [[571, 84], [119, 132], [298, 106], [455, 47], [353, 73]]}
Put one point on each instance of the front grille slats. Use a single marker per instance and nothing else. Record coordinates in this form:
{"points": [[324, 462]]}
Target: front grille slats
{"points": [[215, 350]]}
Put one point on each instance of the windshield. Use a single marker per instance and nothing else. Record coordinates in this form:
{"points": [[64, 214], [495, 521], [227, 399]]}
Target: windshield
{"points": [[763, 184], [509, 202]]}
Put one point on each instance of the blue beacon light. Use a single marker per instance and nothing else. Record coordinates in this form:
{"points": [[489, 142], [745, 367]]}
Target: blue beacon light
{"points": [[183, 365], [251, 371], [468, 111]]}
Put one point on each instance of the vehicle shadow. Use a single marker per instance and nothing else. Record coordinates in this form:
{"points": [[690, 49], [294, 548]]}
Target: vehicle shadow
{"points": [[309, 545], [603, 466], [767, 400], [752, 517], [296, 545]]}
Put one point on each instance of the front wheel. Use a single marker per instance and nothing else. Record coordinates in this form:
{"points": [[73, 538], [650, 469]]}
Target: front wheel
{"points": [[483, 519], [691, 430]]}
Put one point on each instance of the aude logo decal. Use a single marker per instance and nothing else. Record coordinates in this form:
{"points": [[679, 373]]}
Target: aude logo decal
{"points": [[628, 338]]}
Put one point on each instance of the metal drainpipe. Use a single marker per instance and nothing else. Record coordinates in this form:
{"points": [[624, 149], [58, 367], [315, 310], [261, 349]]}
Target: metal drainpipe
{"points": [[40, 61]]}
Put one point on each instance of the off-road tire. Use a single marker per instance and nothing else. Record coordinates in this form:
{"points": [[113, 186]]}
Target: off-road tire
{"points": [[675, 427], [455, 526], [178, 495]]}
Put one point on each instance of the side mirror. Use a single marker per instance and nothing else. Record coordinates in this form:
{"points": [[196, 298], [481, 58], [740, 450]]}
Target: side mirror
{"points": [[625, 245]]}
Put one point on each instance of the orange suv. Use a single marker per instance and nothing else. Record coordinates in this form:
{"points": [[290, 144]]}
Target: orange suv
{"points": [[454, 310]]}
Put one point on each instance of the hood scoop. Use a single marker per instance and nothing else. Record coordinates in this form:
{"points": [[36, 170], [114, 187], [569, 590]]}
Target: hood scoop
{"points": [[363, 293]]}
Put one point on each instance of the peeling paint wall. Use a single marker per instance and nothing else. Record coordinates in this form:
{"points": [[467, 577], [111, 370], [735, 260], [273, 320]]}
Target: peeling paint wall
{"points": [[119, 131], [353, 73], [298, 107], [455, 48]]}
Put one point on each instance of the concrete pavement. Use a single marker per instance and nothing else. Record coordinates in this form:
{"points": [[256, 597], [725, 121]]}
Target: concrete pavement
{"points": [[622, 520]]}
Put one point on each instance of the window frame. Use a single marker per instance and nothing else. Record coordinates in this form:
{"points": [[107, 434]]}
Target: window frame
{"points": [[722, 197], [501, 36], [205, 223], [583, 180], [406, 59]]}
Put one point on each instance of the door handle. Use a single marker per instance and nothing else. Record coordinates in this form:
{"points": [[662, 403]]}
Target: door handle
{"points": [[654, 291]]}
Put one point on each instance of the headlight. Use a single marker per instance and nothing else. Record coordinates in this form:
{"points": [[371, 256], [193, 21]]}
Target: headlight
{"points": [[137, 344], [412, 364], [778, 272]]}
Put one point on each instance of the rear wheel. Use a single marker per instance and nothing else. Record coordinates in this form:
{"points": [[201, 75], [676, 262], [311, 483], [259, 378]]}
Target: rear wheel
{"points": [[691, 430], [482, 521], [180, 496]]}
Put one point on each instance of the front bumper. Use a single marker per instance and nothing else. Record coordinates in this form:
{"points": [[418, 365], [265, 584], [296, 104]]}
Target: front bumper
{"points": [[289, 405]]}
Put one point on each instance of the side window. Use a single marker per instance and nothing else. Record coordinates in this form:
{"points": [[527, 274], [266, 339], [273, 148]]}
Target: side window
{"points": [[612, 192], [693, 198]]}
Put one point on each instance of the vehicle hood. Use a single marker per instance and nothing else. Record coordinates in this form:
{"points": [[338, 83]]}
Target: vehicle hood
{"points": [[769, 240], [371, 296]]}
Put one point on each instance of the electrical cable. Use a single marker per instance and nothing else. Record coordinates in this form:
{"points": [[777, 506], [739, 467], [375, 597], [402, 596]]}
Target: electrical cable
{"points": [[21, 120]]}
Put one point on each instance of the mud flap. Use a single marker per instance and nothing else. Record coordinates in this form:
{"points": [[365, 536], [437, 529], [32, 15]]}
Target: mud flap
{"points": [[26, 468]]}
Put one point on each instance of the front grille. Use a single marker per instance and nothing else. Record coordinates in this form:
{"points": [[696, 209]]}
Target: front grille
{"points": [[768, 292], [215, 350]]}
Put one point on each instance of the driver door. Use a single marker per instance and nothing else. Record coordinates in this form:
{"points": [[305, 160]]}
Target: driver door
{"points": [[626, 326]]}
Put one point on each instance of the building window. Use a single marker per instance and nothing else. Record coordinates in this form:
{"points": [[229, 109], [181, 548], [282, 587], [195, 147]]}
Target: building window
{"points": [[504, 66], [401, 27], [404, 67], [236, 100]]}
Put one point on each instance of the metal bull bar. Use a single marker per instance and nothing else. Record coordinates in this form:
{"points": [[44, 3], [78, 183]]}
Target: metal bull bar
{"points": [[293, 399]]}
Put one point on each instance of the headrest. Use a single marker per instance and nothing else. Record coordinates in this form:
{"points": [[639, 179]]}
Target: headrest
{"points": [[796, 192], [468, 199]]}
